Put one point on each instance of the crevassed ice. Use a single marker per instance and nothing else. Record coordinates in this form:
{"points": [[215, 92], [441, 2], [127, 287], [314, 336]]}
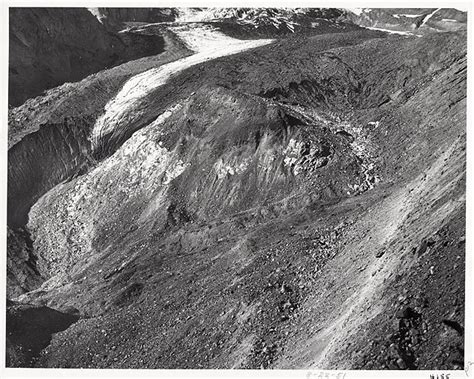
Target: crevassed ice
{"points": [[207, 43]]}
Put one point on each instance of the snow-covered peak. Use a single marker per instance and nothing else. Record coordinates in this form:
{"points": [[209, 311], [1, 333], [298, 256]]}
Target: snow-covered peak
{"points": [[356, 11], [279, 18]]}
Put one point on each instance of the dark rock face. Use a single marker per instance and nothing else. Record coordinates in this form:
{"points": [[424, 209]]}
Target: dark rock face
{"points": [[42, 160], [116, 17], [51, 46], [275, 208], [22, 271]]}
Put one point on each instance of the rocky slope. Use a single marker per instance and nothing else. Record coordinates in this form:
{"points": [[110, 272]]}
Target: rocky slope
{"points": [[50, 46], [288, 202]]}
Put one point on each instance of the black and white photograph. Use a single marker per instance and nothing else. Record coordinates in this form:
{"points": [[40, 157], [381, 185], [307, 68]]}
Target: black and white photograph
{"points": [[250, 188]]}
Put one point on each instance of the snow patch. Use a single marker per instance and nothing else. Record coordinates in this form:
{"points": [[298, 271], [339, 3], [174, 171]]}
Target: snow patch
{"points": [[202, 15], [357, 11], [398, 15], [96, 13], [390, 31], [425, 20]]}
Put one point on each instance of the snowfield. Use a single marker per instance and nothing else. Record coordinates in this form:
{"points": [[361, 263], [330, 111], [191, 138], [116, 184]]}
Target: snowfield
{"points": [[205, 41], [407, 15], [357, 11], [390, 31]]}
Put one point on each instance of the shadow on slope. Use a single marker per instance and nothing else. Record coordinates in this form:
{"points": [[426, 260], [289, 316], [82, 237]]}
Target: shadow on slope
{"points": [[30, 329]]}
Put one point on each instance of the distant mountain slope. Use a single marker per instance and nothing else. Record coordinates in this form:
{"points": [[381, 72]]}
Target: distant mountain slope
{"points": [[51, 46], [117, 17], [421, 20]]}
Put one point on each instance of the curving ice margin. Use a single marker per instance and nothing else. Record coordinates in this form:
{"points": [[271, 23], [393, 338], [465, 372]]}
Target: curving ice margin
{"points": [[425, 20], [401, 33], [204, 40]]}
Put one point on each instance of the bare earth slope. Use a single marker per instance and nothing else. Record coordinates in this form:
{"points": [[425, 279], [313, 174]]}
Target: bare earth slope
{"points": [[287, 203]]}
